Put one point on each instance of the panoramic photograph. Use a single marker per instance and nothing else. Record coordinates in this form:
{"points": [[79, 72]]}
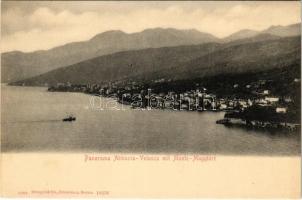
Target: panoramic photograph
{"points": [[204, 77]]}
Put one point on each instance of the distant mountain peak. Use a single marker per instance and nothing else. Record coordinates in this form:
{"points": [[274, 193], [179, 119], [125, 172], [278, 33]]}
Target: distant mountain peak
{"points": [[296, 24], [284, 31], [275, 26], [247, 31], [244, 33], [18, 66], [179, 63], [284, 26], [160, 29], [12, 52], [272, 31], [108, 33]]}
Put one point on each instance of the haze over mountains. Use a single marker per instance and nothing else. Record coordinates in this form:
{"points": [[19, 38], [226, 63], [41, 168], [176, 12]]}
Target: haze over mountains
{"points": [[18, 66]]}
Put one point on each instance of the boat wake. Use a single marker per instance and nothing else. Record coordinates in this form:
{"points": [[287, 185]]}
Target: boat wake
{"points": [[35, 121]]}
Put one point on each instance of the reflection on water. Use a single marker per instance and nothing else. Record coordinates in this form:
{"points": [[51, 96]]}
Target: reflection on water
{"points": [[32, 121]]}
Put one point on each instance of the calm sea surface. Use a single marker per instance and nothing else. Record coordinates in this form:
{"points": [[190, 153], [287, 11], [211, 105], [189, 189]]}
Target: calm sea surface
{"points": [[31, 121]]}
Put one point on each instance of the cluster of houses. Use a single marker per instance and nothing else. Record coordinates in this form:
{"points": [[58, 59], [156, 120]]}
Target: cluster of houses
{"points": [[263, 97], [197, 99]]}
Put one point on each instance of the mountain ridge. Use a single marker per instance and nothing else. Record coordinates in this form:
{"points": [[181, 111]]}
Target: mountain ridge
{"points": [[177, 62], [17, 65]]}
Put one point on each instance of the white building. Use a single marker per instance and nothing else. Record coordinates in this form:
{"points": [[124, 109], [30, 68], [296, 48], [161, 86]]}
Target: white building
{"points": [[281, 110], [272, 99]]}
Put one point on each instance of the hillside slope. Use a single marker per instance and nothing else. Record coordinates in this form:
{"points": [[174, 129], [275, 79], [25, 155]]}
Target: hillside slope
{"points": [[18, 65], [248, 57], [184, 62]]}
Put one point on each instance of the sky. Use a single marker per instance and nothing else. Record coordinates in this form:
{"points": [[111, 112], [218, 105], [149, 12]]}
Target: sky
{"points": [[37, 25]]}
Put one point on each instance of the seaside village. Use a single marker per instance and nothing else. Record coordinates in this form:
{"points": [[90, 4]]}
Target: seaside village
{"points": [[199, 99], [194, 100]]}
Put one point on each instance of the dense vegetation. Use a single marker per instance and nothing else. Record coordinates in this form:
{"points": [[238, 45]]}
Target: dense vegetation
{"points": [[265, 114], [280, 83]]}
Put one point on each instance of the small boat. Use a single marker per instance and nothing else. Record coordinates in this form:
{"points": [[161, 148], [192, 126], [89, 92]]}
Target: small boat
{"points": [[69, 119]]}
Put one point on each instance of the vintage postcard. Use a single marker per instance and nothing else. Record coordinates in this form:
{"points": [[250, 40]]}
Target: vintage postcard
{"points": [[151, 99]]}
